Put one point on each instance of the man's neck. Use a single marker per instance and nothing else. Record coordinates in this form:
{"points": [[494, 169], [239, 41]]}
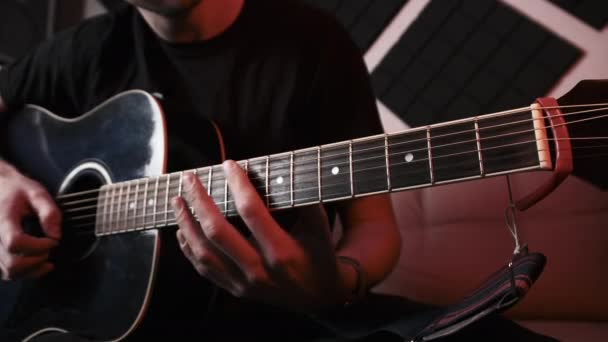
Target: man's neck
{"points": [[204, 21]]}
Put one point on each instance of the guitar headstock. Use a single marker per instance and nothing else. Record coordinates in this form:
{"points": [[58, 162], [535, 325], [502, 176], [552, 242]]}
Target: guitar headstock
{"points": [[588, 129]]}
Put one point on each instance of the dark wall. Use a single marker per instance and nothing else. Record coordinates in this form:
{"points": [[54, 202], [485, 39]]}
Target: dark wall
{"points": [[460, 57], [23, 23]]}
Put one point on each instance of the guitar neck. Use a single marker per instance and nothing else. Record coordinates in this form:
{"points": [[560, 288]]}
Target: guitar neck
{"points": [[479, 147]]}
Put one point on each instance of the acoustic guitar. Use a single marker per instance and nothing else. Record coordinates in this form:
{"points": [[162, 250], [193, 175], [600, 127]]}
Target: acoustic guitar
{"points": [[106, 170]]}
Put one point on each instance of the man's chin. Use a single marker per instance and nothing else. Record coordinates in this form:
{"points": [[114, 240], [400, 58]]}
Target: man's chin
{"points": [[167, 8]]}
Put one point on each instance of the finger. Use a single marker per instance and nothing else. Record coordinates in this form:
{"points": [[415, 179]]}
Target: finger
{"points": [[218, 278], [47, 211], [221, 233], [196, 247], [253, 211], [15, 241], [211, 273], [14, 267]]}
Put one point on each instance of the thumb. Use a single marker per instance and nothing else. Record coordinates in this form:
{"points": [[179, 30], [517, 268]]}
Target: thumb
{"points": [[47, 211]]}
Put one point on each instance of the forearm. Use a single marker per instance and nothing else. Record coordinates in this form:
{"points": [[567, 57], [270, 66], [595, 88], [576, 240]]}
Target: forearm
{"points": [[371, 237]]}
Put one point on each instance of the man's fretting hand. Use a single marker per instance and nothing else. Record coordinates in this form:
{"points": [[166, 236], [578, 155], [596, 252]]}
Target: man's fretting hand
{"points": [[296, 270]]}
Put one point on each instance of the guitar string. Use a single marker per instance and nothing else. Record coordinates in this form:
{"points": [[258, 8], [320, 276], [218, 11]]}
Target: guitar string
{"points": [[119, 212], [161, 222], [281, 167], [471, 151], [171, 221], [303, 171], [472, 120]]}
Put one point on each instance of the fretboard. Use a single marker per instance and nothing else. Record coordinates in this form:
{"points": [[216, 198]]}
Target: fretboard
{"points": [[480, 147]]}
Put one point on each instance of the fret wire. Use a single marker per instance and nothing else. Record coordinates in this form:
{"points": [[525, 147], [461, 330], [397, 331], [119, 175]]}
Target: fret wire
{"points": [[180, 184], [266, 183], [110, 229], [209, 180], [388, 169], [118, 209], [145, 204], [428, 139], [135, 207], [105, 207], [319, 173], [127, 206], [291, 178], [350, 165], [155, 202], [225, 195], [481, 170], [167, 197], [194, 172]]}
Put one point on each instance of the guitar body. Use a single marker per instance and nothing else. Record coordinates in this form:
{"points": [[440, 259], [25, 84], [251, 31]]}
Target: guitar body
{"points": [[101, 287]]}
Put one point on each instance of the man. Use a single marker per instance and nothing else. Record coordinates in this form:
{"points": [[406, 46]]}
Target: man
{"points": [[275, 73]]}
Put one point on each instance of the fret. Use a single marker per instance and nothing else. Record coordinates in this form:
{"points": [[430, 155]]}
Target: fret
{"points": [[279, 194], [455, 153], [160, 202], [335, 171], [409, 159], [181, 184], [306, 175], [127, 208], [194, 172], [291, 194], [145, 204], [167, 187], [266, 195], [430, 151], [103, 197], [369, 165], [319, 184], [388, 168], [173, 191], [136, 217], [111, 223], [256, 171], [230, 204], [218, 186], [118, 210], [477, 137], [155, 201], [508, 142], [350, 168], [209, 180], [225, 211]]}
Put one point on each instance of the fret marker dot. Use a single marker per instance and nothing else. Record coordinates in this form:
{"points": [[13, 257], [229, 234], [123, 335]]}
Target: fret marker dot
{"points": [[409, 157], [280, 180], [335, 170], [150, 202], [132, 205]]}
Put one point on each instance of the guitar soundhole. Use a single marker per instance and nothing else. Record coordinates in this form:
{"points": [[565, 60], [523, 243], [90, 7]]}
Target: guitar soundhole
{"points": [[78, 202]]}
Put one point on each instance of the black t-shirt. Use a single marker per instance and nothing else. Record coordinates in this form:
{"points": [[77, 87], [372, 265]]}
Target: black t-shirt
{"points": [[284, 76]]}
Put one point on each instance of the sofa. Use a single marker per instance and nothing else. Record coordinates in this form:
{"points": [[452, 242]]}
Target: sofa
{"points": [[454, 236]]}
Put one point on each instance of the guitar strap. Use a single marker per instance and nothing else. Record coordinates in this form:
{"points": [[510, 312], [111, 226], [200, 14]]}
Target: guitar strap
{"points": [[382, 314]]}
